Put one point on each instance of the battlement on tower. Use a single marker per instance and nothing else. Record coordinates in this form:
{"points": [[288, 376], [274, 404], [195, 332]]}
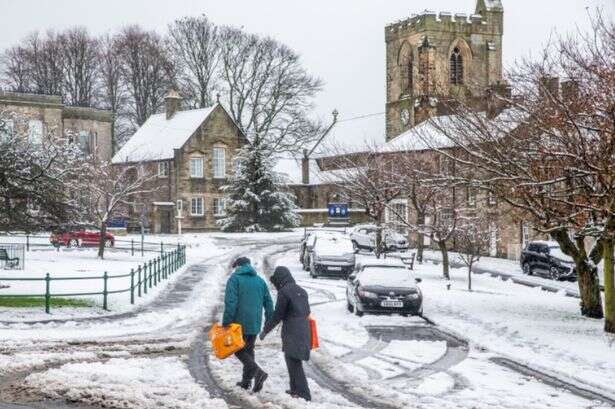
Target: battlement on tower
{"points": [[443, 21]]}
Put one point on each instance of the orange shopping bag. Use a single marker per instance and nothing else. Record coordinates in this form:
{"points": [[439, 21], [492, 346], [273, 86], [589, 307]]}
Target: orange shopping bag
{"points": [[226, 341], [314, 331]]}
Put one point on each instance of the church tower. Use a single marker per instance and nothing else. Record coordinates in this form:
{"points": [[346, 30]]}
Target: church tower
{"points": [[432, 58]]}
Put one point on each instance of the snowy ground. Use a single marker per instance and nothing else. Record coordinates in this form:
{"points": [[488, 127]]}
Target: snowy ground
{"points": [[145, 358], [84, 264]]}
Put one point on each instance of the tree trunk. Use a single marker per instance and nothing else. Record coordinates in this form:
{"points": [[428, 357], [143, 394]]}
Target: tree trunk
{"points": [[589, 284], [445, 267], [420, 244], [609, 286], [378, 248], [101, 242], [470, 275]]}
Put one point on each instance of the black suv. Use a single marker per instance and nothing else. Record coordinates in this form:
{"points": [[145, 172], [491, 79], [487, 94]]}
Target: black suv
{"points": [[547, 259]]}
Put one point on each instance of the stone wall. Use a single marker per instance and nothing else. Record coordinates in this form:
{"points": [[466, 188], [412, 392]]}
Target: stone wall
{"points": [[59, 119]]}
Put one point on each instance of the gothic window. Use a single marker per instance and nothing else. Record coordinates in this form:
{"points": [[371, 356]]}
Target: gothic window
{"points": [[456, 70], [410, 76]]}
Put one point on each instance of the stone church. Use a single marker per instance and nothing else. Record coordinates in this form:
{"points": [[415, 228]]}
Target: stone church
{"points": [[432, 57]]}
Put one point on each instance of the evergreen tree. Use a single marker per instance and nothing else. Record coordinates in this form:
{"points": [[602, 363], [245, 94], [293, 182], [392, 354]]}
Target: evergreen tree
{"points": [[39, 181], [256, 202]]}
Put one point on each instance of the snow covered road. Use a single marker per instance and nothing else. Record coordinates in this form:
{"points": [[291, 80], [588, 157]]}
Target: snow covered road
{"points": [[157, 356]]}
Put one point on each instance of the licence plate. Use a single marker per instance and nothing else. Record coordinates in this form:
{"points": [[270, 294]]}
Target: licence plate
{"points": [[335, 268], [392, 304]]}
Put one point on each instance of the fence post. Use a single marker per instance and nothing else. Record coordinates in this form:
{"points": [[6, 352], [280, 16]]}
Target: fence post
{"points": [[27, 242], [139, 277], [145, 277], [47, 293], [105, 278], [132, 247], [150, 273], [155, 274], [142, 246], [132, 285], [161, 248]]}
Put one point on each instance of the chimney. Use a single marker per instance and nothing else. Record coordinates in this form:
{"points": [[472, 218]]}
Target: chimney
{"points": [[498, 99], [172, 103], [549, 87], [305, 168]]}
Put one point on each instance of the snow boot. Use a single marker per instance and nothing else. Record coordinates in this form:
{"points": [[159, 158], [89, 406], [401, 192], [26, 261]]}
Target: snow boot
{"points": [[259, 380], [244, 384]]}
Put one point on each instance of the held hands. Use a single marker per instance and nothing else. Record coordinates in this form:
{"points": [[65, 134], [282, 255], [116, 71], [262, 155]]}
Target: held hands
{"points": [[262, 335]]}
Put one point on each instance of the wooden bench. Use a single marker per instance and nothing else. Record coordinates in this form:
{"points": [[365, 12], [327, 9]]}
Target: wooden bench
{"points": [[10, 262], [409, 260]]}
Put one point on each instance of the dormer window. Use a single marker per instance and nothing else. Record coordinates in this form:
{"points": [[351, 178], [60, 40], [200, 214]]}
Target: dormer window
{"points": [[456, 69]]}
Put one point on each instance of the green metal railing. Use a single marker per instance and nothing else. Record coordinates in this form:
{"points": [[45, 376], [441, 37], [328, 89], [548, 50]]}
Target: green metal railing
{"points": [[144, 277]]}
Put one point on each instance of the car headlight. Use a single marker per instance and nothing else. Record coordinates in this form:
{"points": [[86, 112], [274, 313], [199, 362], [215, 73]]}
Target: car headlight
{"points": [[413, 296], [366, 294], [350, 257]]}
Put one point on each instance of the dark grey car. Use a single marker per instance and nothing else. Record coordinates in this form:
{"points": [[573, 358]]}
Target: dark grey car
{"points": [[547, 259]]}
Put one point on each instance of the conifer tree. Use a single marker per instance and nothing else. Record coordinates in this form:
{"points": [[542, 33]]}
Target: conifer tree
{"points": [[256, 202]]}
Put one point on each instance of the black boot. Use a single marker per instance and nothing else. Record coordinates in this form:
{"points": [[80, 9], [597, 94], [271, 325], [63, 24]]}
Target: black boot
{"points": [[259, 380], [245, 384]]}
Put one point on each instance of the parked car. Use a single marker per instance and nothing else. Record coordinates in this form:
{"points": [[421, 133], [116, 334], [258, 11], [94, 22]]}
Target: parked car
{"points": [[547, 259], [332, 255], [364, 237], [307, 245], [80, 237], [384, 288]]}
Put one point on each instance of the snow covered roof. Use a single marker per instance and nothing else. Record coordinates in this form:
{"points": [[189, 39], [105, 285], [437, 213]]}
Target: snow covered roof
{"points": [[158, 137], [429, 135]]}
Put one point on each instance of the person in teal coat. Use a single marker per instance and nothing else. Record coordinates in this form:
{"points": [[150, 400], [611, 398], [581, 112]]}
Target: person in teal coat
{"points": [[245, 298]]}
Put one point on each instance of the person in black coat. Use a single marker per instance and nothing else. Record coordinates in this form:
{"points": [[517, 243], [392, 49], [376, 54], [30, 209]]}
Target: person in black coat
{"points": [[292, 309]]}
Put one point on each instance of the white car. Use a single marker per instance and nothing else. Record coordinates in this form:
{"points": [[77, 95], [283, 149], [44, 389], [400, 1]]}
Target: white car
{"points": [[307, 245], [364, 237], [332, 256]]}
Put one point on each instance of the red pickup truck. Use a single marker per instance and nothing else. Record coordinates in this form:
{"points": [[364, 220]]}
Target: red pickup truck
{"points": [[80, 238]]}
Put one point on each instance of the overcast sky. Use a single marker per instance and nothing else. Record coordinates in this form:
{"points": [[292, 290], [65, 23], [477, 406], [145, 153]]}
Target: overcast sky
{"points": [[341, 41]]}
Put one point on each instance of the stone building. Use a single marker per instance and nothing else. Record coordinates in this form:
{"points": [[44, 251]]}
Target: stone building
{"points": [[191, 153], [39, 115], [431, 57]]}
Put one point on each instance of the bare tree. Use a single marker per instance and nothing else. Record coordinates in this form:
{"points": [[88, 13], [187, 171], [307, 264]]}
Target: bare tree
{"points": [[112, 189], [368, 180], [16, 72], [267, 90], [195, 50], [44, 62], [472, 240], [550, 154], [146, 71], [112, 91], [79, 65]]}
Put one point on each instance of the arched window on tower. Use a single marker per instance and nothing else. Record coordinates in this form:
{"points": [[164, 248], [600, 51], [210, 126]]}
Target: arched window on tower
{"points": [[410, 69], [456, 70]]}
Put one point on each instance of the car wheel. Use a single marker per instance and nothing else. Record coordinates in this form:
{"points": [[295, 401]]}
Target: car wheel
{"points": [[349, 306], [313, 273], [73, 243], [355, 246], [554, 274], [527, 269]]}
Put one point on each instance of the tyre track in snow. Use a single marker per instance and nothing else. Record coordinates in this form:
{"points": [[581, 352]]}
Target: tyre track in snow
{"points": [[321, 376], [173, 296], [198, 359]]}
